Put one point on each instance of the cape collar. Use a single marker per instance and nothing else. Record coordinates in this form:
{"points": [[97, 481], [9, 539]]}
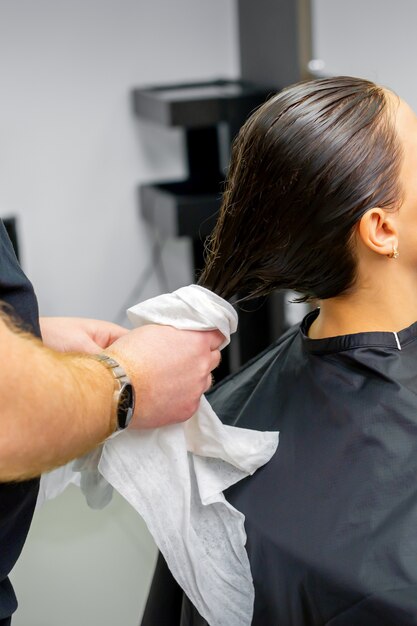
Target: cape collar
{"points": [[385, 339]]}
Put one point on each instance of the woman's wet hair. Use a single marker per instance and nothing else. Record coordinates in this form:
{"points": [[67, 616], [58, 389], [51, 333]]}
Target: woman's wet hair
{"points": [[304, 169]]}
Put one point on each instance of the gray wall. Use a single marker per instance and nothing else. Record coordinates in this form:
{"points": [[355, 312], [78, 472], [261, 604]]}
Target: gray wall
{"points": [[71, 153], [371, 38], [71, 157]]}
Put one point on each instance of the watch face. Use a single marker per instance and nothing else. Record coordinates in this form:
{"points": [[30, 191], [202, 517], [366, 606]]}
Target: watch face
{"points": [[126, 405]]}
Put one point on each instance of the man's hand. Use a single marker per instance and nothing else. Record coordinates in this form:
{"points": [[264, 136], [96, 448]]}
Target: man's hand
{"points": [[170, 370], [56, 407], [77, 334]]}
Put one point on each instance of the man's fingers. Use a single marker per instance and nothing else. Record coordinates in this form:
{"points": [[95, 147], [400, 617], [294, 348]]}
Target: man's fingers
{"points": [[106, 333], [216, 357], [216, 339]]}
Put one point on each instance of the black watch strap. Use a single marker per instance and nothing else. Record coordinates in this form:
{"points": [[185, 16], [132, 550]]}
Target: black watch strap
{"points": [[124, 394]]}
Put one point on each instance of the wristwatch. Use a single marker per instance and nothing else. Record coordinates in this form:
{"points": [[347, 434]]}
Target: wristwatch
{"points": [[124, 394]]}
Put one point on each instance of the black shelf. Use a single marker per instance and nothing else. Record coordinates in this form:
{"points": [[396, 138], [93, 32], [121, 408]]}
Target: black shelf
{"points": [[181, 209], [195, 105]]}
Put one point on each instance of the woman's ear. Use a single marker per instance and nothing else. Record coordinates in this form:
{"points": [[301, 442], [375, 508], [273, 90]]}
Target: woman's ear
{"points": [[378, 232]]}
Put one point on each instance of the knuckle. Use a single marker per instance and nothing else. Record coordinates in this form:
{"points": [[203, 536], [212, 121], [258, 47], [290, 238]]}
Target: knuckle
{"points": [[204, 367], [201, 341]]}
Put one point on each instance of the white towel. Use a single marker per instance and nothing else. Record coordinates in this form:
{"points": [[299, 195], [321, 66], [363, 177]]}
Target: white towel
{"points": [[174, 477]]}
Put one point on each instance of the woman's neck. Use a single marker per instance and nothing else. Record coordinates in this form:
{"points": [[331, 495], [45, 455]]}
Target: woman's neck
{"points": [[385, 305]]}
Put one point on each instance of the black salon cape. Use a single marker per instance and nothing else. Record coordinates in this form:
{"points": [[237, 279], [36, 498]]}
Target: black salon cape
{"points": [[331, 520], [17, 500]]}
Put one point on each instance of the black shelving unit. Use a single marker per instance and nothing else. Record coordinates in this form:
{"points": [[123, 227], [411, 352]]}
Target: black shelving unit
{"points": [[189, 207], [199, 104]]}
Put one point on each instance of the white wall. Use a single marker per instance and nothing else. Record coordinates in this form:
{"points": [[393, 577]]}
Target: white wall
{"points": [[375, 39], [71, 153], [71, 157]]}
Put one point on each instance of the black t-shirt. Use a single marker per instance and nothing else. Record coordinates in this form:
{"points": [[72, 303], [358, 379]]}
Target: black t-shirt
{"points": [[331, 520], [17, 500]]}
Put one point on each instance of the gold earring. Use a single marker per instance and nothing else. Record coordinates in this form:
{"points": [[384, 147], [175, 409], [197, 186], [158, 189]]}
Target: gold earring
{"points": [[394, 254]]}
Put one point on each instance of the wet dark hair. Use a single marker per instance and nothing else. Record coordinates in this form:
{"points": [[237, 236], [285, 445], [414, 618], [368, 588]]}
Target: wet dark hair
{"points": [[305, 168]]}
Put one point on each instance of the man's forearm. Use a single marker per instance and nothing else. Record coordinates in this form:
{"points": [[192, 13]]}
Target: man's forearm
{"points": [[53, 407], [57, 406]]}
